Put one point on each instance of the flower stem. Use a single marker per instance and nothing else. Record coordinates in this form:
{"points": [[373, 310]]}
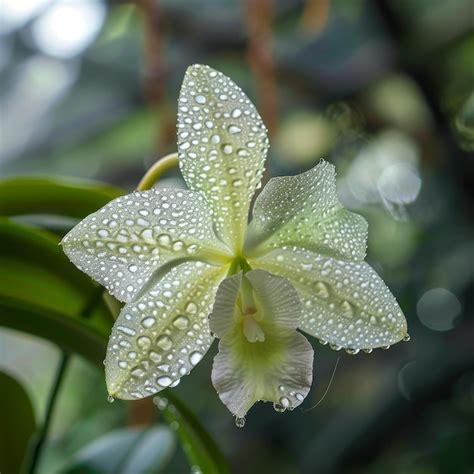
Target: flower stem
{"points": [[43, 433], [157, 170]]}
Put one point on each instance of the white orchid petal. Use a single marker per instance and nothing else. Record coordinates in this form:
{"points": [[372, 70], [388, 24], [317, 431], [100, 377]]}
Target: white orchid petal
{"points": [[125, 242], [304, 211], [222, 145], [276, 365], [161, 336], [344, 303]]}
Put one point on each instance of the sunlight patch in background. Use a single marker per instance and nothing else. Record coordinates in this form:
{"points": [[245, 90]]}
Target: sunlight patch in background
{"points": [[385, 171], [15, 13], [67, 27], [438, 309]]}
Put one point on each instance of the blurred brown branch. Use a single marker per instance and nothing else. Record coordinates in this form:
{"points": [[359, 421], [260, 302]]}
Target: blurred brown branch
{"points": [[315, 15], [259, 17], [156, 71]]}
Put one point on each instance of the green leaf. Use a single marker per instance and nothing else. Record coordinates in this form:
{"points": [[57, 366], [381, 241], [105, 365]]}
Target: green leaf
{"points": [[33, 195], [200, 449], [34, 270], [17, 425], [125, 451], [71, 334]]}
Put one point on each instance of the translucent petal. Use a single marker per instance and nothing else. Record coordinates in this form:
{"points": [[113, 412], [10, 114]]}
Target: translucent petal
{"points": [[161, 336], [222, 145], [304, 211], [125, 242], [277, 368], [344, 303]]}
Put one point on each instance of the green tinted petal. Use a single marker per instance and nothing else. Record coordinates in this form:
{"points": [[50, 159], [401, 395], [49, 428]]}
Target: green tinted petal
{"points": [[276, 368], [161, 336], [344, 303], [125, 242], [222, 145], [304, 211]]}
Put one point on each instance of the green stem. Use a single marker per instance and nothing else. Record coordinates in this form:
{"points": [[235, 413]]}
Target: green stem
{"points": [[43, 433], [157, 171]]}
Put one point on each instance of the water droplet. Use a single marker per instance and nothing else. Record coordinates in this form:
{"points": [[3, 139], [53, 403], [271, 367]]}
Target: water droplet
{"points": [[144, 342], [227, 148], [368, 351], [164, 381], [335, 347], [242, 152], [110, 399], [346, 309], [164, 342], [386, 348], [234, 130], [321, 289], [200, 99], [237, 183], [236, 113], [191, 307], [215, 139], [155, 357], [239, 422], [181, 322], [353, 351], [284, 402], [195, 357], [148, 322], [164, 240], [407, 338], [299, 396], [278, 408]]}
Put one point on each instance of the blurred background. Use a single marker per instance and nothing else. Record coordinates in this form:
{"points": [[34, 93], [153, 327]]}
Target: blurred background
{"points": [[382, 89]]}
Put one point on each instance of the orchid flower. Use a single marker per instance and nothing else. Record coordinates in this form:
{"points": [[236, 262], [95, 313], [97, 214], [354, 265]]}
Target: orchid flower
{"points": [[176, 257]]}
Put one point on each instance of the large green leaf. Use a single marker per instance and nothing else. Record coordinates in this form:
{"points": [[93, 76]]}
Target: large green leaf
{"points": [[125, 451], [34, 270], [71, 334], [201, 450], [17, 425], [33, 195]]}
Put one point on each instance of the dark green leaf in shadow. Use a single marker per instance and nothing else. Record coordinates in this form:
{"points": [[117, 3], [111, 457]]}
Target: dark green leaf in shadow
{"points": [[202, 452], [16, 426], [34, 270], [125, 451], [20, 196], [71, 334]]}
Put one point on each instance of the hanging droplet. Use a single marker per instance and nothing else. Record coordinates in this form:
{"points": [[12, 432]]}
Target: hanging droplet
{"points": [[353, 351], [368, 351], [278, 408], [110, 399], [407, 338], [239, 421]]}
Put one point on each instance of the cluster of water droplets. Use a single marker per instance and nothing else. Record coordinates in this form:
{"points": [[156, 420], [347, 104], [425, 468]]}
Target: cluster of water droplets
{"points": [[222, 145], [122, 244], [344, 303], [161, 336], [305, 209]]}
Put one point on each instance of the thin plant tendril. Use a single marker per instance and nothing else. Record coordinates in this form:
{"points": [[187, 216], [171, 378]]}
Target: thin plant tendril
{"points": [[327, 388]]}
